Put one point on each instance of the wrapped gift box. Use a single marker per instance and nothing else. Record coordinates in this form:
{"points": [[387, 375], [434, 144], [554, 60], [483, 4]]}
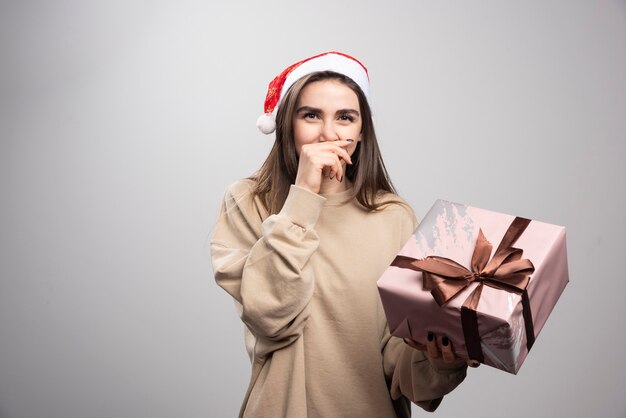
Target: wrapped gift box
{"points": [[486, 280]]}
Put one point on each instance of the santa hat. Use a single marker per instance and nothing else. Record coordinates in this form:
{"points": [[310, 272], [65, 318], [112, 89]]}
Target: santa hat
{"points": [[328, 61]]}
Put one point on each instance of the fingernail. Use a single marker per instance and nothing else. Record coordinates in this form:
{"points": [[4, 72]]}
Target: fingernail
{"points": [[444, 341], [430, 336]]}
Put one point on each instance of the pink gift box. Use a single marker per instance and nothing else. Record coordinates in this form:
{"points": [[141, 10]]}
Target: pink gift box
{"points": [[486, 280]]}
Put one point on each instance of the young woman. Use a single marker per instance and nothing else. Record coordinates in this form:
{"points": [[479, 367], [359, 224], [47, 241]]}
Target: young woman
{"points": [[300, 246]]}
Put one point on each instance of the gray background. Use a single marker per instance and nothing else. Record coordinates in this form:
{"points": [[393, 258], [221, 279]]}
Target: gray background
{"points": [[121, 124]]}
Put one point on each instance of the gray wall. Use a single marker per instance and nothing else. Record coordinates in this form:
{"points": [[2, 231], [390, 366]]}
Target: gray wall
{"points": [[121, 124]]}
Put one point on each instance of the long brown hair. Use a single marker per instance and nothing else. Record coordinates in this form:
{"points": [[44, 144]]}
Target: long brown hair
{"points": [[367, 173]]}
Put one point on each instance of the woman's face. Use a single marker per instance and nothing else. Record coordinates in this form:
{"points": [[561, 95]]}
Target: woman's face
{"points": [[327, 110]]}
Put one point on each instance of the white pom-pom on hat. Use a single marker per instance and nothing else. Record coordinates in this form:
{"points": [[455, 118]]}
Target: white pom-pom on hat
{"points": [[266, 123], [328, 61]]}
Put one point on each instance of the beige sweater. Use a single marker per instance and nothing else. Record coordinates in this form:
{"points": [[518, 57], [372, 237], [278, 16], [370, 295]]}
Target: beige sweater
{"points": [[305, 283]]}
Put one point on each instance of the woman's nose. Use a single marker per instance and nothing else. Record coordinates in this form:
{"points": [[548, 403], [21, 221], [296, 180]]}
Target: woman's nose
{"points": [[328, 132]]}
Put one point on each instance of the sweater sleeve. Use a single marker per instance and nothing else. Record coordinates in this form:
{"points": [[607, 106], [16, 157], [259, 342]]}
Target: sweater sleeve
{"points": [[263, 264], [422, 380]]}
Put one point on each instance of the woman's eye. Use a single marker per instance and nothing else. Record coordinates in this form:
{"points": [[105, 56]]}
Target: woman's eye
{"points": [[346, 118], [310, 116]]}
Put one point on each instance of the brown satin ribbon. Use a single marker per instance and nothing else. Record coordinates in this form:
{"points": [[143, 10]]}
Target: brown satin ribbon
{"points": [[506, 270]]}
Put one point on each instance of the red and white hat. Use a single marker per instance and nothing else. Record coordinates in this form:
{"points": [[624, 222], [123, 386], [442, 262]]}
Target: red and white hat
{"points": [[328, 61]]}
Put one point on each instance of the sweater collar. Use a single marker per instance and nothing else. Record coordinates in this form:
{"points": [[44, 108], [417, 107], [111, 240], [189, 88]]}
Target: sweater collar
{"points": [[340, 198]]}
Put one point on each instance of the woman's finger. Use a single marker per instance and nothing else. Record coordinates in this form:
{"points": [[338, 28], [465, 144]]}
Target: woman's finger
{"points": [[473, 363], [343, 154], [339, 171], [431, 346], [335, 148], [331, 166], [446, 350], [335, 169], [338, 148]]}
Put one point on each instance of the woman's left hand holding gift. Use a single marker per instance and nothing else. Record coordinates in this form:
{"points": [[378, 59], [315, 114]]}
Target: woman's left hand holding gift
{"points": [[433, 350]]}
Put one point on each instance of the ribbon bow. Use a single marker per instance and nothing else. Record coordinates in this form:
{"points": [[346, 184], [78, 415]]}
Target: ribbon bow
{"points": [[445, 279]]}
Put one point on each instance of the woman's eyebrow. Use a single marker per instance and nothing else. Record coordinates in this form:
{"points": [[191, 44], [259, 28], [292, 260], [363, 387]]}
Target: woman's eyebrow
{"points": [[308, 109], [348, 111]]}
